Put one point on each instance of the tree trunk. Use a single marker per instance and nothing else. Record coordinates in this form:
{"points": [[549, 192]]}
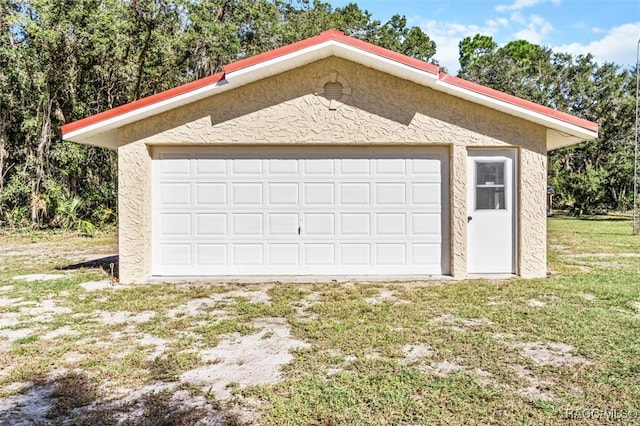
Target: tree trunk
{"points": [[3, 154], [37, 203]]}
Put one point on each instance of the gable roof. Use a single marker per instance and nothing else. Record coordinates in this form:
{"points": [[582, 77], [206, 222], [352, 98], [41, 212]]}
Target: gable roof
{"points": [[101, 129]]}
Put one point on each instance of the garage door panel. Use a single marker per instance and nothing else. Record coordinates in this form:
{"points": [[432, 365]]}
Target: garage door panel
{"points": [[283, 224], [426, 254], [247, 193], [355, 254], [320, 211], [212, 255], [391, 166], [175, 224], [246, 166], [211, 193], [211, 224], [426, 224], [175, 164], [355, 224], [391, 254], [248, 254], [321, 193], [356, 193], [316, 224], [355, 167], [283, 167], [392, 193], [427, 166], [319, 254], [425, 193], [175, 194], [283, 193], [318, 166], [175, 254], [247, 224], [284, 254], [207, 167]]}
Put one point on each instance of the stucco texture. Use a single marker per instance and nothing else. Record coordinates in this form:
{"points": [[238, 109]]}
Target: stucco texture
{"points": [[381, 109]]}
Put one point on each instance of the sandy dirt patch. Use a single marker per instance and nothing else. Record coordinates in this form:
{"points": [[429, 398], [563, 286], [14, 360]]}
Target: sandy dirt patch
{"points": [[444, 368], [246, 360], [414, 353], [461, 324], [552, 354], [38, 277], [102, 285], [259, 295], [123, 317], [384, 296], [45, 310], [302, 306], [197, 307], [588, 296], [535, 303], [537, 390], [158, 345]]}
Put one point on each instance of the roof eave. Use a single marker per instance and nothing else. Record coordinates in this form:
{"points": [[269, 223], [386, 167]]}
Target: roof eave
{"points": [[103, 132], [238, 76], [565, 133]]}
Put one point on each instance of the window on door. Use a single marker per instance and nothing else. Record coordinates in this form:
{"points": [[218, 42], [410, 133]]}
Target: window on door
{"points": [[490, 190]]}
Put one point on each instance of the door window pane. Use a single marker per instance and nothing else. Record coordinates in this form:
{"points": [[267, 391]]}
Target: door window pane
{"points": [[490, 186], [489, 173]]}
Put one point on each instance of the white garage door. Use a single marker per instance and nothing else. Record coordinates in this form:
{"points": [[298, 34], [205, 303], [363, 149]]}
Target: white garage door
{"points": [[300, 211]]}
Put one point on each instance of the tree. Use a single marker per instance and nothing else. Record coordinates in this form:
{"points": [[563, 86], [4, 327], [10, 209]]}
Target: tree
{"points": [[591, 177], [63, 60]]}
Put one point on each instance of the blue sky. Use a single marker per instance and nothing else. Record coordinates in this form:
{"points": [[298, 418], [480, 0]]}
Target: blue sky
{"points": [[608, 29]]}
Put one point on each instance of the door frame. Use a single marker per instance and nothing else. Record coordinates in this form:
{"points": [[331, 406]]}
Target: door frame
{"points": [[514, 154]]}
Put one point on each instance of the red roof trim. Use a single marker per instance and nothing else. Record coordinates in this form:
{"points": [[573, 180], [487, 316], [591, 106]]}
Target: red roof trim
{"points": [[327, 36], [514, 100], [143, 102], [313, 41]]}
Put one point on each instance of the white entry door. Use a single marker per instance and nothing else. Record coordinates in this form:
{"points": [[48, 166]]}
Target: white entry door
{"points": [[491, 205], [300, 211]]}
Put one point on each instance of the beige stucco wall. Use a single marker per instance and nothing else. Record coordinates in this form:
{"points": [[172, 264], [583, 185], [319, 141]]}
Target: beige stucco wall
{"points": [[134, 212], [381, 110]]}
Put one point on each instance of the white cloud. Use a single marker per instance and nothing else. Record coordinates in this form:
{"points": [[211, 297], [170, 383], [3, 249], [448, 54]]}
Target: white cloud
{"points": [[535, 31], [521, 4], [618, 45], [447, 35]]}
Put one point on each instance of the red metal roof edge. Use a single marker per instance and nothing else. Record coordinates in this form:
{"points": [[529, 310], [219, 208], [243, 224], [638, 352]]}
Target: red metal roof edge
{"points": [[340, 37], [244, 63], [514, 100], [143, 102], [312, 41]]}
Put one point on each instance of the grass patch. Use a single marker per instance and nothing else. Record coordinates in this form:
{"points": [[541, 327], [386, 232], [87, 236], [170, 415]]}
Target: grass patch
{"points": [[472, 352]]}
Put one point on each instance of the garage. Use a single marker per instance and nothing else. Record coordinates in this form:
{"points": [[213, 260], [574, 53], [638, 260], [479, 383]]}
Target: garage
{"points": [[331, 157], [300, 211]]}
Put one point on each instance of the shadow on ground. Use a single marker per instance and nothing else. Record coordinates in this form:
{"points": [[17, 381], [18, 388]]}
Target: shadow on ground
{"points": [[104, 263], [73, 399]]}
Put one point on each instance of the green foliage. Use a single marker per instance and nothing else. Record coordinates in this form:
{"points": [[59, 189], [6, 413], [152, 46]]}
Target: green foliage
{"points": [[61, 61], [592, 177]]}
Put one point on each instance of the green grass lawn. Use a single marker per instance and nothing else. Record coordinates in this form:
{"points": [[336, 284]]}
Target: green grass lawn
{"points": [[471, 352]]}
